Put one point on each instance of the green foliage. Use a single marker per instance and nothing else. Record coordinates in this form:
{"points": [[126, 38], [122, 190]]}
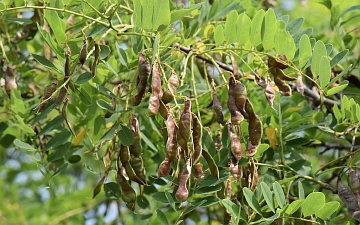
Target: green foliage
{"points": [[82, 145]]}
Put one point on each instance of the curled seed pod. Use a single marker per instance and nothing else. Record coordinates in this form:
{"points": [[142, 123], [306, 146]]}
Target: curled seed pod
{"points": [[235, 145], [198, 171], [49, 90], [354, 183], [234, 167], [269, 93], [197, 136], [10, 81], [279, 73], [182, 192], [171, 146], [136, 147], [173, 84], [138, 166], [236, 116], [128, 194], [347, 196], [255, 130], [217, 108], [240, 97], [96, 60], [83, 51], [273, 62], [236, 72], [144, 71], [283, 87]]}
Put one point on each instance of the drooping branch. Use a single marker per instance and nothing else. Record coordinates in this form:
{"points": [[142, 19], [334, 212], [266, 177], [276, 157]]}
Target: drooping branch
{"points": [[307, 91]]}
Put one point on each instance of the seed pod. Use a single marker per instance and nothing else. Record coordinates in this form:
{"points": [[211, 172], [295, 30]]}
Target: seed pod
{"points": [[279, 73], [236, 72], [184, 127], [283, 87], [234, 167], [354, 183], [107, 158], [96, 60], [255, 130], [171, 146], [228, 188], [300, 84], [217, 141], [236, 116], [227, 217], [198, 171], [182, 192], [173, 84], [49, 90], [235, 145], [348, 197], [124, 155], [136, 147], [197, 135], [83, 52], [217, 108], [127, 192], [63, 90], [273, 62], [10, 81], [163, 110], [240, 97], [138, 166], [269, 93], [144, 71], [154, 105], [154, 102]]}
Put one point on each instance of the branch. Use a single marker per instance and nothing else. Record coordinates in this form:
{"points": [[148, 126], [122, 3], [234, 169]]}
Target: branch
{"points": [[307, 91]]}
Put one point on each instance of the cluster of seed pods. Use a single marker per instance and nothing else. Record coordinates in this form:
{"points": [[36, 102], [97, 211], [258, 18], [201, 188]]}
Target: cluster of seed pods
{"points": [[276, 68]]}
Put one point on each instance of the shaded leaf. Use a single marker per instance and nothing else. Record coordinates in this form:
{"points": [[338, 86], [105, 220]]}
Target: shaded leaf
{"points": [[125, 135], [279, 194], [112, 191], [251, 200], [45, 62], [23, 145], [161, 216], [268, 196]]}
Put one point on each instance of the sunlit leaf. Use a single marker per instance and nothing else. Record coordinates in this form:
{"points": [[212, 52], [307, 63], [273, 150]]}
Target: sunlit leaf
{"points": [[243, 28], [269, 29], [256, 24], [313, 203], [219, 35], [230, 27], [305, 50]]}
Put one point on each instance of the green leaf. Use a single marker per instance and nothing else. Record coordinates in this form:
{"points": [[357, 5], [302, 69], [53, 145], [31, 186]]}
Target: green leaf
{"points": [[268, 196], [230, 27], [280, 37], [161, 14], [23, 145], [17, 103], [243, 28], [212, 165], [178, 14], [137, 18], [56, 122], [305, 50], [343, 72], [84, 96], [231, 207], [294, 26], [28, 130], [350, 9], [60, 152], [269, 29], [104, 90], [256, 24], [251, 200], [58, 50], [43, 61], [104, 51], [83, 78], [57, 25], [338, 88], [125, 135], [279, 194], [328, 209], [208, 190], [59, 170], [294, 206], [318, 53], [147, 9], [21, 21], [110, 133], [313, 203], [74, 159], [335, 15], [338, 57], [161, 216], [261, 149], [3, 127], [219, 35], [112, 191], [170, 200], [324, 72], [195, 205], [122, 55], [58, 139], [208, 143], [290, 47], [104, 105]]}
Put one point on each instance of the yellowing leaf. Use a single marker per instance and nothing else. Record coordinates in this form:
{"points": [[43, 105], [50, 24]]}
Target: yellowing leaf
{"points": [[79, 137], [271, 135]]}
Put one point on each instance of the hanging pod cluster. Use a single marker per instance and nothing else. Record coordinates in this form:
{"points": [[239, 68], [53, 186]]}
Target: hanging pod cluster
{"points": [[276, 68]]}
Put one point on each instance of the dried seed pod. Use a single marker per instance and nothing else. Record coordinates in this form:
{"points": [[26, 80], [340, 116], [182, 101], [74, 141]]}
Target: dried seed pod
{"points": [[138, 166], [127, 192], [136, 147], [300, 84], [347, 196], [197, 136], [49, 90], [279, 73], [144, 71], [97, 58], [236, 71], [234, 167], [184, 131], [228, 188], [198, 171], [217, 108], [217, 141], [283, 87], [236, 116], [63, 90], [154, 105], [269, 93], [154, 102], [173, 84], [10, 81], [354, 183], [171, 146], [255, 130], [235, 145], [273, 62], [182, 192], [240, 97], [83, 51]]}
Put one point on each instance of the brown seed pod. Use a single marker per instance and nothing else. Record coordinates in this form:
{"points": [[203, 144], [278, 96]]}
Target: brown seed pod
{"points": [[269, 93], [83, 51], [97, 58], [240, 97], [283, 87], [228, 188], [354, 183], [184, 131], [154, 105], [236, 116], [173, 84], [144, 71], [234, 167], [217, 108], [300, 84], [197, 136], [235, 145], [273, 62], [49, 90], [254, 129], [63, 90], [136, 147], [279, 73], [182, 192], [127, 192], [347, 196], [198, 171], [236, 72], [154, 102]]}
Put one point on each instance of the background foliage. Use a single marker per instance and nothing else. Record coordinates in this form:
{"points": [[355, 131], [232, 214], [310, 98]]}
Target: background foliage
{"points": [[59, 166]]}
